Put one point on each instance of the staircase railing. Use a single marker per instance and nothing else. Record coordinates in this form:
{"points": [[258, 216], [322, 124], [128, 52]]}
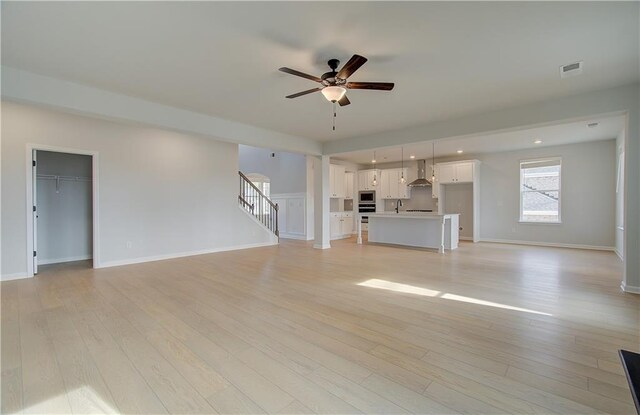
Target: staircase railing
{"points": [[254, 201]]}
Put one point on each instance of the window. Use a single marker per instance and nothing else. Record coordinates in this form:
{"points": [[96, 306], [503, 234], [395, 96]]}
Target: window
{"points": [[263, 183], [540, 190]]}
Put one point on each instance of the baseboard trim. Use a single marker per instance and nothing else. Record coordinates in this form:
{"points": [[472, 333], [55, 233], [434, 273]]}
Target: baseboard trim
{"points": [[287, 195], [548, 244], [629, 289], [465, 238], [293, 236], [15, 276], [619, 254], [322, 246], [61, 260], [140, 260]]}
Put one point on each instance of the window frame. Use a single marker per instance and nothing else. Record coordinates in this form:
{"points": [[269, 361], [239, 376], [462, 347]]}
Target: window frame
{"points": [[521, 192]]}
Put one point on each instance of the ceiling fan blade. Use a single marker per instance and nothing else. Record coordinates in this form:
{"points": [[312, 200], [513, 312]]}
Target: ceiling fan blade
{"points": [[301, 74], [344, 101], [382, 86], [350, 67], [299, 94]]}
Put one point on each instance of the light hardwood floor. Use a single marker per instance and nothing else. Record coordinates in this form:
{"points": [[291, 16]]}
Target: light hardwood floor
{"points": [[358, 328]]}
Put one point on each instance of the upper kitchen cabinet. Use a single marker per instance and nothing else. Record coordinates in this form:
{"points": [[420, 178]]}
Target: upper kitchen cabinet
{"points": [[456, 172], [349, 178], [337, 188], [390, 186], [365, 179], [404, 191]]}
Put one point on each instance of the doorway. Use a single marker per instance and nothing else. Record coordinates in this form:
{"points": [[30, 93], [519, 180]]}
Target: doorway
{"points": [[63, 190]]}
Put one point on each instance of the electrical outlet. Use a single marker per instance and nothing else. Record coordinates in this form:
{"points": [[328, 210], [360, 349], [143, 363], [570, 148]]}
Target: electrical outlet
{"points": [[129, 245]]}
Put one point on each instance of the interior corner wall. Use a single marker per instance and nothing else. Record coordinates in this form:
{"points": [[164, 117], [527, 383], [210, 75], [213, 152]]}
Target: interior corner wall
{"points": [[619, 221], [287, 171], [166, 193]]}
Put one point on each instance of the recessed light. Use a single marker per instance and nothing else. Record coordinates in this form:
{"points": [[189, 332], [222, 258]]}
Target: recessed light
{"points": [[373, 161], [592, 125], [459, 151], [537, 142], [412, 156]]}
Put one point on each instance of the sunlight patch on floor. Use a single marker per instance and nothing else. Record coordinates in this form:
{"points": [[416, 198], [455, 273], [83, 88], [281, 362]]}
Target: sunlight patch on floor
{"points": [[401, 288], [425, 292], [83, 397]]}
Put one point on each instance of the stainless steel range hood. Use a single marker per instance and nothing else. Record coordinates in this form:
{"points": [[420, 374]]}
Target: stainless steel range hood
{"points": [[421, 181]]}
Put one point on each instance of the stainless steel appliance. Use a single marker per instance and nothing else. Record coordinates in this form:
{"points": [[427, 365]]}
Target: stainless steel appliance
{"points": [[422, 180], [367, 204], [368, 196]]}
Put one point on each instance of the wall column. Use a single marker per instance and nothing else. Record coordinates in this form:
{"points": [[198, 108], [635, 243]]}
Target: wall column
{"points": [[631, 279], [310, 204], [321, 202]]}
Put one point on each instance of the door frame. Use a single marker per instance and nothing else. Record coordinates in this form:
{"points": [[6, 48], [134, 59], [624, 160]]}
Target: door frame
{"points": [[29, 205]]}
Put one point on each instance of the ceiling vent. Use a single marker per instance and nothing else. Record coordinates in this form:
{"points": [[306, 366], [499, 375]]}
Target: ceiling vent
{"points": [[571, 69]]}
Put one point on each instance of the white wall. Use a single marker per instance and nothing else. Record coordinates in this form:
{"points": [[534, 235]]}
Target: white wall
{"points": [[291, 215], [619, 223], [167, 193], [459, 199], [64, 213], [287, 171], [587, 198]]}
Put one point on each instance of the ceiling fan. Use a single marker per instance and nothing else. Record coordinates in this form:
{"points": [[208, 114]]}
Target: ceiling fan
{"points": [[334, 85]]}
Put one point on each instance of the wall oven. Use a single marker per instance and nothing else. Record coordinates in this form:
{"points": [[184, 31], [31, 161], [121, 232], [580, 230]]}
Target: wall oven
{"points": [[366, 204]]}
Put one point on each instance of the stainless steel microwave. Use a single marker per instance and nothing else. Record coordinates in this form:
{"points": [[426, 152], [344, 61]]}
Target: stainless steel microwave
{"points": [[367, 197]]}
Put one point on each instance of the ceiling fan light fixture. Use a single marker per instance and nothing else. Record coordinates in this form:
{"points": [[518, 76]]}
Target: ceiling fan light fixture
{"points": [[333, 93]]}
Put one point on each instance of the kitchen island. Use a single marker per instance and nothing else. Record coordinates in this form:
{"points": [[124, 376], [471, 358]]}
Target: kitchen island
{"points": [[422, 230]]}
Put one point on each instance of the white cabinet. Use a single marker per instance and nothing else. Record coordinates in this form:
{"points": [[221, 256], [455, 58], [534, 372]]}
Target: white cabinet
{"points": [[456, 172], [435, 188], [404, 191], [464, 172], [349, 178], [337, 181], [335, 228], [390, 186], [341, 224], [365, 179], [446, 173], [346, 225], [385, 184]]}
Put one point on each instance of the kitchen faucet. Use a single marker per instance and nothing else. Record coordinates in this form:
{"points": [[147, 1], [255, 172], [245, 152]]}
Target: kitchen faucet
{"points": [[398, 204]]}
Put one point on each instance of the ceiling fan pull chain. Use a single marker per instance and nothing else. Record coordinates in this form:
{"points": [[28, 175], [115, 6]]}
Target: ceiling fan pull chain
{"points": [[334, 115]]}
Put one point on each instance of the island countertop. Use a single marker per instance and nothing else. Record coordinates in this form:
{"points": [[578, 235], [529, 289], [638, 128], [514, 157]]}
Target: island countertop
{"points": [[410, 215], [414, 229]]}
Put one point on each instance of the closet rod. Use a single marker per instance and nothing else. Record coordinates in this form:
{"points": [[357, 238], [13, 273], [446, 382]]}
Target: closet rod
{"points": [[69, 178], [66, 178]]}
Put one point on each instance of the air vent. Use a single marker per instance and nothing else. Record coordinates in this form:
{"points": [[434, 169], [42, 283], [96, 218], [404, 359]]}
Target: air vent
{"points": [[571, 69]]}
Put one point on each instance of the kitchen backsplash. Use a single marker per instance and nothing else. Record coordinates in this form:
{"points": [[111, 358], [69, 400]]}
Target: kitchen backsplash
{"points": [[420, 199]]}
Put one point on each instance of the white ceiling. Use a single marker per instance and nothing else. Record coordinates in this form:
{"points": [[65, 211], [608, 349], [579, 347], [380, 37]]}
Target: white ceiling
{"points": [[554, 135], [222, 58]]}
